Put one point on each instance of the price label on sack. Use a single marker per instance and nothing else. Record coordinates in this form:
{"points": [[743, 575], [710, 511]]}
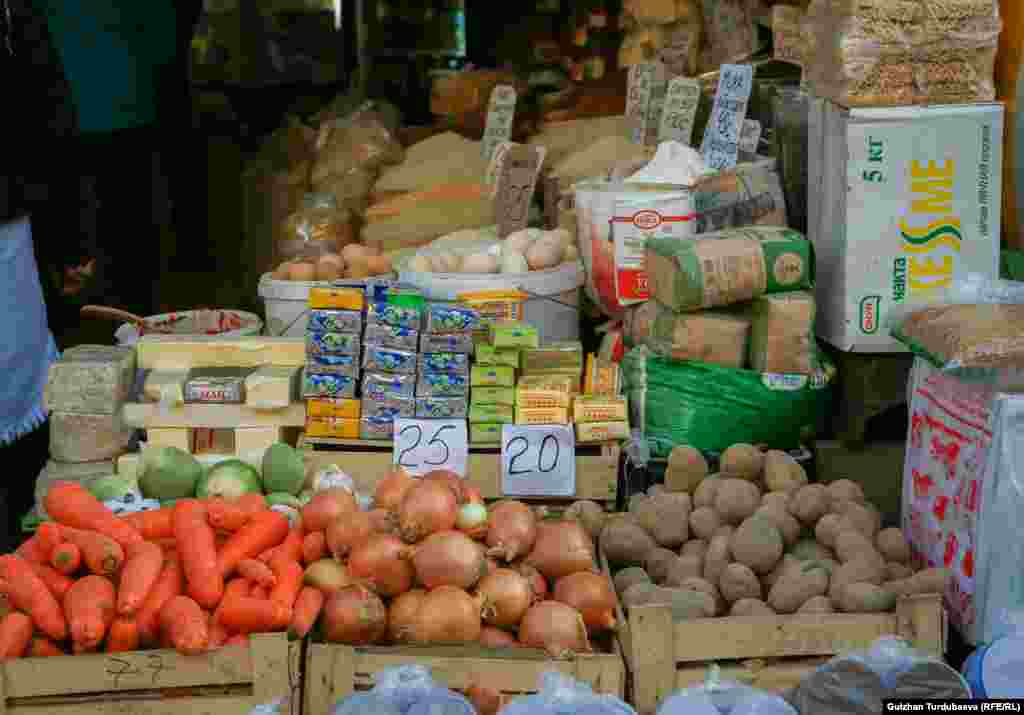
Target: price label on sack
{"points": [[681, 101], [501, 113], [640, 89], [721, 145], [538, 460], [517, 167], [421, 446]]}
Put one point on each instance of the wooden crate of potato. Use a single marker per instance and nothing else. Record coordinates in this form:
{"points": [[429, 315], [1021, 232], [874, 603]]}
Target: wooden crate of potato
{"points": [[760, 571]]}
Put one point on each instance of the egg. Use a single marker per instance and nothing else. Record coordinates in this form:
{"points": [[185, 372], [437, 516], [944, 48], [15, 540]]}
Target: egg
{"points": [[421, 264], [358, 267], [302, 272], [480, 263], [571, 255], [328, 271], [446, 262], [544, 253], [520, 240], [513, 262], [378, 265], [353, 251], [563, 236], [282, 272]]}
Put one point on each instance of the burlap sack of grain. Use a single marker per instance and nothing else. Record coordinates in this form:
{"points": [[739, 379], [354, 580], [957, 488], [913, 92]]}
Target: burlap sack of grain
{"points": [[782, 334], [681, 47], [598, 159], [560, 139], [446, 157], [351, 190], [897, 52], [728, 267], [986, 335], [718, 337], [730, 33], [428, 218]]}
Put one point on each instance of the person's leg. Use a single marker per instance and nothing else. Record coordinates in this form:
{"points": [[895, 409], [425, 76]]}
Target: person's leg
{"points": [[25, 458]]}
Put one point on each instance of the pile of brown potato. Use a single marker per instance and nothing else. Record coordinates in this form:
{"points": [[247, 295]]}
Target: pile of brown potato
{"points": [[757, 539]]}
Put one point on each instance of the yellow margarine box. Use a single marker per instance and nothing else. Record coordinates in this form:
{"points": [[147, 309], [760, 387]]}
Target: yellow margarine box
{"points": [[601, 431], [338, 408], [544, 391], [332, 427], [336, 298], [542, 415], [599, 408]]}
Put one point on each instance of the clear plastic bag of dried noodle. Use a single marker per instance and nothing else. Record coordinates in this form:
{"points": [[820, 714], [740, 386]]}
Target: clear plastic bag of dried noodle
{"points": [[351, 189], [908, 23], [718, 697], [318, 228], [405, 690], [361, 140]]}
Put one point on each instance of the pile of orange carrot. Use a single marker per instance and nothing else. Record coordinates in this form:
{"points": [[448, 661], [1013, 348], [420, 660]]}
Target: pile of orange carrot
{"points": [[194, 577]]}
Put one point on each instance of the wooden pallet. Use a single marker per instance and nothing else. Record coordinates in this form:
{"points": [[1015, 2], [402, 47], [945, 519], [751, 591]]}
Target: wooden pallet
{"points": [[333, 672], [229, 681], [367, 461], [768, 652]]}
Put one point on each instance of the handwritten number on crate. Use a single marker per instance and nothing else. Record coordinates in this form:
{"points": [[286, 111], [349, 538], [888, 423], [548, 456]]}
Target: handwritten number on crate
{"points": [[119, 668]]}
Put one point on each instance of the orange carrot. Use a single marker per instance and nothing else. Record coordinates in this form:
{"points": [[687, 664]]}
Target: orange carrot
{"points": [[102, 555], [235, 587], [314, 547], [154, 524], [57, 582], [43, 648], [50, 536], [244, 614], [123, 636], [89, 604], [71, 504], [291, 547], [237, 639], [264, 530], [259, 591], [232, 515], [32, 550], [141, 570], [171, 583], [184, 623], [198, 550], [30, 595], [218, 634], [257, 571], [289, 581], [15, 634], [66, 558], [306, 611]]}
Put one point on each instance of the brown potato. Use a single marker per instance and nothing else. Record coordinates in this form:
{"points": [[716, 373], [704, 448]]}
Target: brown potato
{"points": [[658, 562], [787, 564], [809, 503], [928, 581], [589, 514], [782, 472], [686, 603], [666, 518], [628, 577], [818, 604], [827, 529], [864, 517], [716, 559], [751, 607], [845, 489], [850, 544], [742, 461], [736, 500], [704, 522], [705, 493], [686, 469], [897, 572], [810, 550], [739, 582], [796, 588], [787, 525], [776, 500], [757, 543], [625, 543], [893, 546], [694, 547], [865, 598], [859, 570], [683, 568], [699, 584]]}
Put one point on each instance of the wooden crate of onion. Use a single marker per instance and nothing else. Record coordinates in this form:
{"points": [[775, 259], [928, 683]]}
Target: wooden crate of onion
{"points": [[488, 597]]}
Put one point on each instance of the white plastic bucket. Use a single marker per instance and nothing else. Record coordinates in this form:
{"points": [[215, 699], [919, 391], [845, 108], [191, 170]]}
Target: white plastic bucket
{"points": [[285, 304], [553, 305], [183, 324]]}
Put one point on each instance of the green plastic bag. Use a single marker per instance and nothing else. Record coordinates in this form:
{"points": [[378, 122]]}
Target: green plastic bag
{"points": [[712, 407]]}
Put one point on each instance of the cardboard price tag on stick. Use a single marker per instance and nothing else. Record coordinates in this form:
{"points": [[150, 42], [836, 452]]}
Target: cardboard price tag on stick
{"points": [[639, 97], [500, 116], [680, 110], [538, 460], [721, 145], [517, 170]]}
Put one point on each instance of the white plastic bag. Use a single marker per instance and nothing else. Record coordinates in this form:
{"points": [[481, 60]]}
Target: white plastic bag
{"points": [[405, 690], [994, 670], [717, 697], [561, 695]]}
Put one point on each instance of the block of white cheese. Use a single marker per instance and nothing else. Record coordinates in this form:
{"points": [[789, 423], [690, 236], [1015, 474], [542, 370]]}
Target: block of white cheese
{"points": [[166, 387], [79, 437], [91, 379], [271, 388]]}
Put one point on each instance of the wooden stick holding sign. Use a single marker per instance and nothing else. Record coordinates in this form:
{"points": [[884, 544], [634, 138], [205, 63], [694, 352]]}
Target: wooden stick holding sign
{"points": [[517, 172], [500, 116]]}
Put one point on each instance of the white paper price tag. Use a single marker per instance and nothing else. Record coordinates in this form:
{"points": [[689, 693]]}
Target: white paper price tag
{"points": [[681, 101], [517, 173], [538, 460], [500, 115], [750, 136], [638, 100], [421, 446], [721, 144]]}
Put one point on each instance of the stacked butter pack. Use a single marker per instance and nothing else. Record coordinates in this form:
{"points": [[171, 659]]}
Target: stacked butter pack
{"points": [[902, 52], [333, 351], [442, 390]]}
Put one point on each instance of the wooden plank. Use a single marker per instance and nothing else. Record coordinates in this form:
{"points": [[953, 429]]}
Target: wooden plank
{"points": [[773, 676], [156, 704], [272, 667], [921, 621], [654, 666], [180, 437], [502, 674], [212, 416], [329, 676], [256, 439], [596, 475], [161, 352], [272, 387]]}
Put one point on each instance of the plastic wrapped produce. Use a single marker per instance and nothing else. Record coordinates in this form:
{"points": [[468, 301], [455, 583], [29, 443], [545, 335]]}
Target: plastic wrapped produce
{"points": [[405, 690], [318, 228], [716, 697], [361, 140], [857, 683], [719, 337], [561, 695]]}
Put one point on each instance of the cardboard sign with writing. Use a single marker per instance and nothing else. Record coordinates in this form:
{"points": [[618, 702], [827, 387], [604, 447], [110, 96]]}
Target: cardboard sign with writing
{"points": [[787, 39], [680, 110], [638, 100], [517, 173], [750, 136], [500, 115], [721, 144]]}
